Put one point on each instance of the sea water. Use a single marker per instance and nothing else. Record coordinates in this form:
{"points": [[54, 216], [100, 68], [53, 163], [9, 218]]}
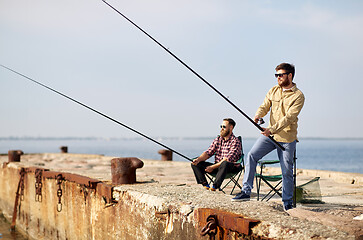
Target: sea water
{"points": [[343, 155]]}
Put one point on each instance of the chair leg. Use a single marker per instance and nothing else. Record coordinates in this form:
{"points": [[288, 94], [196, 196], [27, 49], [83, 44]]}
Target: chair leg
{"points": [[273, 188], [258, 188], [277, 191], [211, 179], [235, 181], [258, 185], [233, 178]]}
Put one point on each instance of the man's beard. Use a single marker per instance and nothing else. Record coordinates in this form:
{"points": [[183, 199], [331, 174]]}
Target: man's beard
{"points": [[225, 132], [284, 83]]}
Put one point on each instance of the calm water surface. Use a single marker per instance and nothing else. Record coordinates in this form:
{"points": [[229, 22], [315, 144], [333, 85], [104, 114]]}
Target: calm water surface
{"points": [[344, 155]]}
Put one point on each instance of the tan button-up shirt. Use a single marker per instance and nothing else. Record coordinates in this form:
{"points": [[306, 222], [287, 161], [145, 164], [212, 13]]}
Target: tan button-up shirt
{"points": [[285, 107]]}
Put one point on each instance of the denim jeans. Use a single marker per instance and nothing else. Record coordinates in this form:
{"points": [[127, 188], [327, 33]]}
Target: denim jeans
{"points": [[224, 168], [263, 146]]}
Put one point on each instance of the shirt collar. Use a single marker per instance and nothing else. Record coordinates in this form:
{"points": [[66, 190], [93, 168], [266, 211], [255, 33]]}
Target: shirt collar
{"points": [[230, 137], [293, 88]]}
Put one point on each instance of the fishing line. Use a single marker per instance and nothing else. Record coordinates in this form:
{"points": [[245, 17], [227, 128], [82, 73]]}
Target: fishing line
{"points": [[200, 77], [96, 111]]}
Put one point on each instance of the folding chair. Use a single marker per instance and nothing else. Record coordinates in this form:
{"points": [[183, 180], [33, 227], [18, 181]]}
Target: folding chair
{"points": [[232, 177], [277, 179], [275, 189]]}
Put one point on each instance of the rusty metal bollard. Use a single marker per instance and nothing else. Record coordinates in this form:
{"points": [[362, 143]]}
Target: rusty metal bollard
{"points": [[123, 170], [14, 155], [64, 149], [166, 155]]}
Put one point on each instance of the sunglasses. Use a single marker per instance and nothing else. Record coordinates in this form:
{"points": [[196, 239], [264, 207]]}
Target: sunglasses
{"points": [[280, 74], [223, 126]]}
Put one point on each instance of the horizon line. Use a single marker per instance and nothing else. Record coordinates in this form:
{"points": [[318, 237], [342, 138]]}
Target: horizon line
{"points": [[158, 137]]}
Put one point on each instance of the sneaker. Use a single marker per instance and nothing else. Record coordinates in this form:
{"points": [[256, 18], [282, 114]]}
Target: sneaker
{"points": [[242, 196], [213, 189], [206, 187], [287, 207]]}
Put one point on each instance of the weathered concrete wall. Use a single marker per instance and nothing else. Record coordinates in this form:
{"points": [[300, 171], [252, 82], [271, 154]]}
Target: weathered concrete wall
{"points": [[85, 213], [150, 209]]}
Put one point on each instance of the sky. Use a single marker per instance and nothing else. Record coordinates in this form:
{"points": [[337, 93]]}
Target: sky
{"points": [[87, 51]]}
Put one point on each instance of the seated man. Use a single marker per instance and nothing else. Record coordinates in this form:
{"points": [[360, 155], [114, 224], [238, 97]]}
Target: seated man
{"points": [[227, 151]]}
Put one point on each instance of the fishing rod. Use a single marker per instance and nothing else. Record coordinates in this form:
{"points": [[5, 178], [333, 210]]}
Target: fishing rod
{"points": [[96, 111], [189, 68]]}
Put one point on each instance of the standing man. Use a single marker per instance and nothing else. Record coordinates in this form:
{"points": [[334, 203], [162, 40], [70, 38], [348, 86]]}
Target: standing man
{"points": [[284, 101], [227, 150]]}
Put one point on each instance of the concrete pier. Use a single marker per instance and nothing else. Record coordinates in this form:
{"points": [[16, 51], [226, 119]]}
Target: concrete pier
{"points": [[71, 196]]}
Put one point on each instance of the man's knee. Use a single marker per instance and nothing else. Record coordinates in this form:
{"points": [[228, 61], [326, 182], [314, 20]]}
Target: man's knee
{"points": [[224, 164], [253, 157]]}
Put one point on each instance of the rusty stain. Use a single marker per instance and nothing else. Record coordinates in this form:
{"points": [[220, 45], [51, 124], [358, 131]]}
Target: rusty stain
{"points": [[85, 194], [228, 221], [162, 215], [105, 191], [225, 224], [86, 181], [18, 195]]}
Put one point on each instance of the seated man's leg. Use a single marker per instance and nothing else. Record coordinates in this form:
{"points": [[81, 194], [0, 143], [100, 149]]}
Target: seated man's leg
{"points": [[287, 168], [224, 168], [199, 172]]}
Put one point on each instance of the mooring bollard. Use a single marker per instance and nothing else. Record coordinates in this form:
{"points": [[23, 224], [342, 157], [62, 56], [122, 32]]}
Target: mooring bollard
{"points": [[166, 155], [123, 170], [14, 155], [64, 149]]}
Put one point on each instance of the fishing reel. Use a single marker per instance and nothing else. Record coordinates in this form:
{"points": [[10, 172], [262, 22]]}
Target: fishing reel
{"points": [[261, 121]]}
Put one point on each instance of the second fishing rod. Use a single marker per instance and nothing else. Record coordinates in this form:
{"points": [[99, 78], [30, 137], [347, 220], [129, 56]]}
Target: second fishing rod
{"points": [[96, 111], [195, 73]]}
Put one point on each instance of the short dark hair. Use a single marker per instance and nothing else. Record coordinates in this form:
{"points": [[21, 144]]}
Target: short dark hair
{"points": [[230, 121], [290, 68]]}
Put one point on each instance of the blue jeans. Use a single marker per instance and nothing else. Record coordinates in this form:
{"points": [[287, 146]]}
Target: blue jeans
{"points": [[263, 146]]}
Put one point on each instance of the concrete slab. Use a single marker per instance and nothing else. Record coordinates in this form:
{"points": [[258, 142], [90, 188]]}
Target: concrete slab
{"points": [[173, 183]]}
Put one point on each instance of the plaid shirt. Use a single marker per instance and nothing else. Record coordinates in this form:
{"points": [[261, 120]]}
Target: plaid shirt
{"points": [[230, 149]]}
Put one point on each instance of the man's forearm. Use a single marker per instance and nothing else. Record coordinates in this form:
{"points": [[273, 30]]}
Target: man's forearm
{"points": [[204, 156], [216, 165]]}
